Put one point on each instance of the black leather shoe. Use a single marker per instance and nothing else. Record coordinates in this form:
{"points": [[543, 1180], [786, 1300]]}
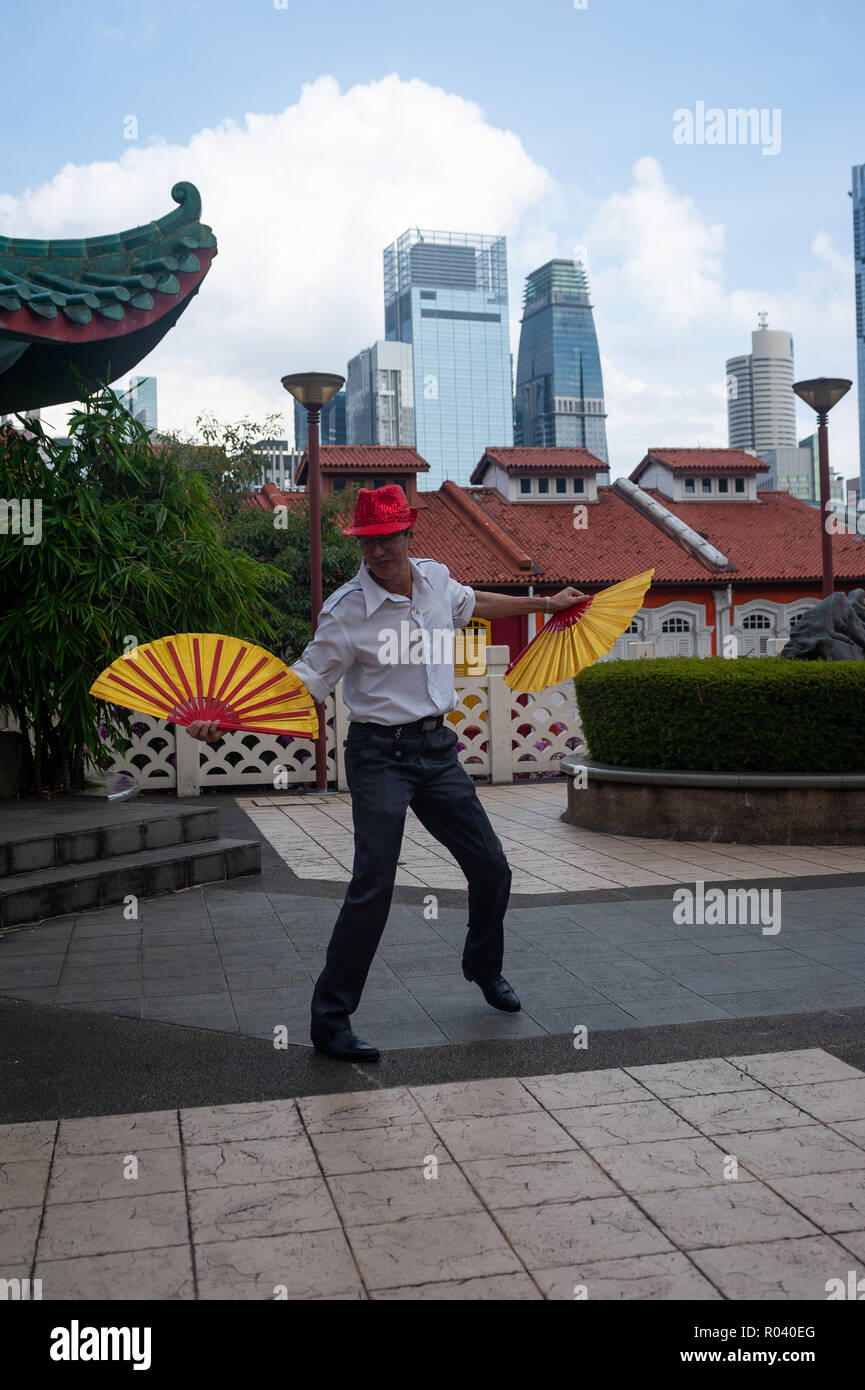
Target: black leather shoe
{"points": [[497, 992], [345, 1046]]}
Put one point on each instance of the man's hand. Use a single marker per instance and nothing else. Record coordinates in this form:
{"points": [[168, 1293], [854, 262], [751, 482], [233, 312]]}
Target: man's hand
{"points": [[205, 732], [565, 598]]}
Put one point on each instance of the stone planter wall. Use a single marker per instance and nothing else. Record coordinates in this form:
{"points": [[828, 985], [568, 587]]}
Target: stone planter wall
{"points": [[753, 808]]}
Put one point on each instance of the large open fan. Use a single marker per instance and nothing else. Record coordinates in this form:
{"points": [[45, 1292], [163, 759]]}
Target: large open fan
{"points": [[578, 636], [205, 675]]}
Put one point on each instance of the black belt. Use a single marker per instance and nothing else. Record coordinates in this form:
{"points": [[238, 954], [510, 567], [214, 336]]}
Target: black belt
{"points": [[417, 726]]}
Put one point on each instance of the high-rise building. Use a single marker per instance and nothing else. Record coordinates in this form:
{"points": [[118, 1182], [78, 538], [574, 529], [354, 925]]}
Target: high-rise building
{"points": [[379, 395], [142, 401], [331, 427], [279, 463], [761, 406], [560, 390], [446, 293], [837, 485], [811, 443], [790, 470], [858, 195]]}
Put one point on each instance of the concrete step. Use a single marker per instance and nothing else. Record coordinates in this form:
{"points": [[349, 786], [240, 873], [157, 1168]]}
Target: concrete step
{"points": [[55, 891], [77, 832]]}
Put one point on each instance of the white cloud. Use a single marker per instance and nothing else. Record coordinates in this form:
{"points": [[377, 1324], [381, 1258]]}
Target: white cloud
{"points": [[303, 201], [666, 259], [667, 322]]}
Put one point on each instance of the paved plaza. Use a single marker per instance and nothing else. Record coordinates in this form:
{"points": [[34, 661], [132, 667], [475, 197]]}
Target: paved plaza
{"points": [[314, 836], [167, 1131], [245, 962], [725, 1178]]}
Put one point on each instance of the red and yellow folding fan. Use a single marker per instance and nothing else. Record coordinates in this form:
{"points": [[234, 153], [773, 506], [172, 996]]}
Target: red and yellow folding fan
{"points": [[205, 675], [578, 636]]}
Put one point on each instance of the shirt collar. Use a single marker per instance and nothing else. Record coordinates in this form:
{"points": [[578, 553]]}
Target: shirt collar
{"points": [[373, 593]]}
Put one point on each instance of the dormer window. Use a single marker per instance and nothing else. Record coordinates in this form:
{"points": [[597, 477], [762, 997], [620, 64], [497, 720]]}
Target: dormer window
{"points": [[723, 484], [525, 485], [690, 485], [706, 484], [579, 485], [543, 484], [561, 484], [740, 484]]}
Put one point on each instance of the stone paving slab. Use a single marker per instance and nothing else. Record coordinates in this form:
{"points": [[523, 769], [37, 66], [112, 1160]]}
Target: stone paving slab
{"points": [[508, 1188], [314, 837], [244, 962]]}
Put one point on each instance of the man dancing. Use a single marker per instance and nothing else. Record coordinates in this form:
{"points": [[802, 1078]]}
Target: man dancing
{"points": [[400, 753]]}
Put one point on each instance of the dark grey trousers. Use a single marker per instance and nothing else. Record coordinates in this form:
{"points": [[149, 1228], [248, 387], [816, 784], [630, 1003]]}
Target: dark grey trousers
{"points": [[386, 775]]}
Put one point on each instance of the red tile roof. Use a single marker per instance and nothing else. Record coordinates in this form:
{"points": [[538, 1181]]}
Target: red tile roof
{"points": [[701, 461], [270, 496], [554, 459], [777, 537], [486, 540], [366, 458], [616, 542]]}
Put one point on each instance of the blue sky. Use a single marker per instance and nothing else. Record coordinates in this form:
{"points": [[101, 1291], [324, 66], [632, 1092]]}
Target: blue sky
{"points": [[586, 95]]}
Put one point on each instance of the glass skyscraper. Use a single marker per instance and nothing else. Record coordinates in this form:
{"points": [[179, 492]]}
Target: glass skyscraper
{"points": [[446, 293], [560, 390], [858, 196], [379, 394], [142, 400], [331, 425]]}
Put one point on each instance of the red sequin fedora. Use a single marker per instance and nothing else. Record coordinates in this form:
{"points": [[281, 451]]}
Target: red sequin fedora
{"points": [[381, 511]]}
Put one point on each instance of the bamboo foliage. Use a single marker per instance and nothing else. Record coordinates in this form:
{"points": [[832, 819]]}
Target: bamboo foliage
{"points": [[132, 546]]}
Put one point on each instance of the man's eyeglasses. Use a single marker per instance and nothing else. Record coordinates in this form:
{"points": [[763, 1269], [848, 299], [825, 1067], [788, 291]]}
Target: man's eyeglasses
{"points": [[389, 542]]}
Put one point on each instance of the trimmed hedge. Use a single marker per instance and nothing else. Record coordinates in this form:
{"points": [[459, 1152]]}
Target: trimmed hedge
{"points": [[713, 714]]}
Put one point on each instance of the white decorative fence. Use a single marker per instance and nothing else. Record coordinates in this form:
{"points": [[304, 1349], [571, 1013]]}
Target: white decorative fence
{"points": [[503, 736]]}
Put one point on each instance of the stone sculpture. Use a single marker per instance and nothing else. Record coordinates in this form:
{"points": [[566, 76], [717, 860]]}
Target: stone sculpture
{"points": [[833, 630]]}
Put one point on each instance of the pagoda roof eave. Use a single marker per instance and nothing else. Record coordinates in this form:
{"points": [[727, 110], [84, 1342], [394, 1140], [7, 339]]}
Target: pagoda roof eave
{"points": [[93, 307]]}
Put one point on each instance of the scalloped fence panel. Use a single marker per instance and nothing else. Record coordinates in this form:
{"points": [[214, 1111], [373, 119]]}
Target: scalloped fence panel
{"points": [[545, 728]]}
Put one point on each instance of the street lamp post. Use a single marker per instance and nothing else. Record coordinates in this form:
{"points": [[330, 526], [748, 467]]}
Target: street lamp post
{"points": [[313, 390], [821, 393]]}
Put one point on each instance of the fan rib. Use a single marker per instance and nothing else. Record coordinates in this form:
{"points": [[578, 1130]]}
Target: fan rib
{"points": [[274, 680], [196, 657], [135, 665], [243, 681], [269, 704], [217, 657], [190, 693], [181, 699], [136, 691]]}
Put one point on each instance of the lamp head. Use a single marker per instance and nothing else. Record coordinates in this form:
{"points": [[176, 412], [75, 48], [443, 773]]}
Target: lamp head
{"points": [[822, 392], [313, 389]]}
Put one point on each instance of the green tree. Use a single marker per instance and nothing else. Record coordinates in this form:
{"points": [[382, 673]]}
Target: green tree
{"points": [[132, 546], [226, 457], [280, 541]]}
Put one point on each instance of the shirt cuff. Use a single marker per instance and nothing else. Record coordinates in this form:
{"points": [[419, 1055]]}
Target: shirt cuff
{"points": [[318, 688], [465, 607]]}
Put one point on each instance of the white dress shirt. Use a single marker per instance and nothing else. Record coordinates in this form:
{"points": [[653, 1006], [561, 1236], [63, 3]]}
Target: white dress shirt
{"points": [[394, 653]]}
